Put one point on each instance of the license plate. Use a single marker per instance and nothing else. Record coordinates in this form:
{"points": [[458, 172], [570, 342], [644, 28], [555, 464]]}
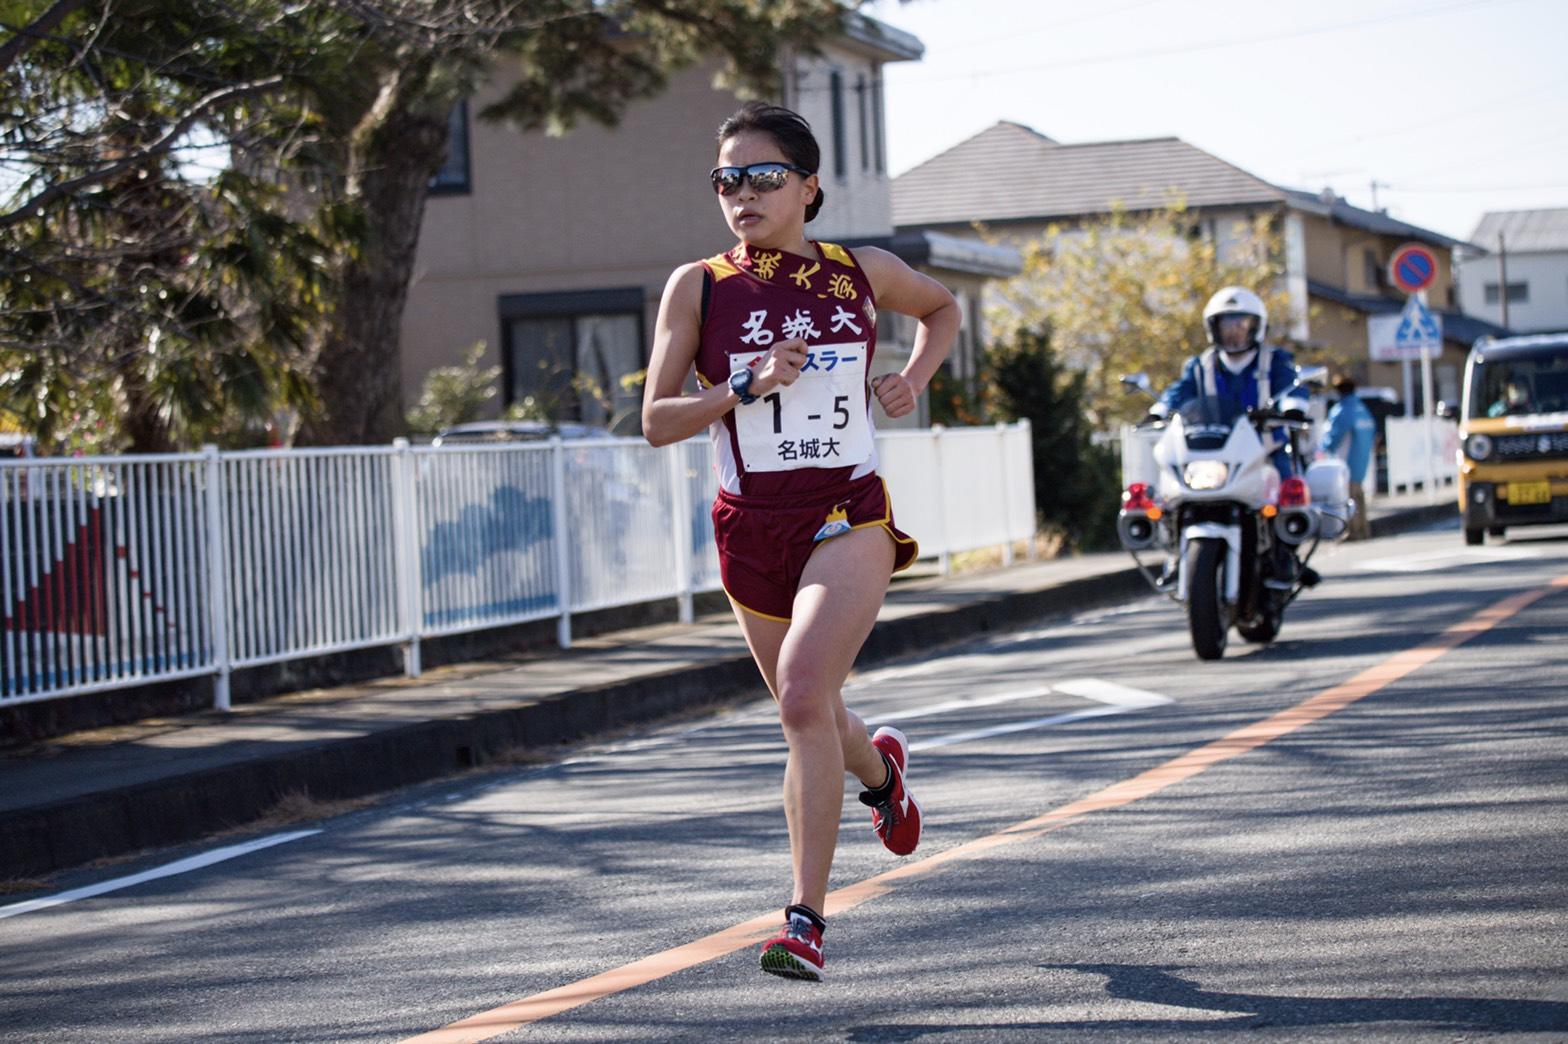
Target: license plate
{"points": [[1529, 492]]}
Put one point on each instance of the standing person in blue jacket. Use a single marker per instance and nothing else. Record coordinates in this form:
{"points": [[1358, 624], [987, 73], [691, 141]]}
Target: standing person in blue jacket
{"points": [[1350, 435], [1239, 365]]}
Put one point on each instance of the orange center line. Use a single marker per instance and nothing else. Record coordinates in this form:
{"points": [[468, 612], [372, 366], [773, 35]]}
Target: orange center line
{"points": [[656, 966]]}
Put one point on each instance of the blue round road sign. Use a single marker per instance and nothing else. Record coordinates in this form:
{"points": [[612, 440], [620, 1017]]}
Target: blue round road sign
{"points": [[1413, 268]]}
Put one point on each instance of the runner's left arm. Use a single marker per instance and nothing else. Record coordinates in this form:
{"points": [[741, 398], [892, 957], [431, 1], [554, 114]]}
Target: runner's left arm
{"points": [[901, 289]]}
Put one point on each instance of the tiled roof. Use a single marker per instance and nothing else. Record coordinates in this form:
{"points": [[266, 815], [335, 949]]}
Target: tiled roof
{"points": [[1457, 327], [1336, 209], [1009, 171], [1523, 230]]}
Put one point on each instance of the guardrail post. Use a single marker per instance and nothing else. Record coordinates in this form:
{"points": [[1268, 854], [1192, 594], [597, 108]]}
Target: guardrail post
{"points": [[944, 557], [405, 554], [217, 575], [1007, 494], [680, 517], [1026, 441], [563, 561]]}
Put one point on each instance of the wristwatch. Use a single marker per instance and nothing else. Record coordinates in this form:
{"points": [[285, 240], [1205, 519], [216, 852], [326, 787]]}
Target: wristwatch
{"points": [[740, 384]]}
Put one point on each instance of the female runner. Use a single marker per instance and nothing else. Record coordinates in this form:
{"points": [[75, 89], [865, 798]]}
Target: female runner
{"points": [[781, 331]]}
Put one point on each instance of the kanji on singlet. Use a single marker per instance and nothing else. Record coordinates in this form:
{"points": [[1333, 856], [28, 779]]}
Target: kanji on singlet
{"points": [[797, 466], [817, 433]]}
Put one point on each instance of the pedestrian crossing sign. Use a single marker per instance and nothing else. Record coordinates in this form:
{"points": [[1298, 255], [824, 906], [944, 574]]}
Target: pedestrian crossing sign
{"points": [[1419, 330]]}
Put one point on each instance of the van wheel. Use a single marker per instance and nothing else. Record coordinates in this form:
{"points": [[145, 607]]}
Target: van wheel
{"points": [[1473, 536]]}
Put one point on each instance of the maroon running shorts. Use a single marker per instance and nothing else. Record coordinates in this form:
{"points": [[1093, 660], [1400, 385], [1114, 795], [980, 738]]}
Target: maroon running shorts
{"points": [[764, 542]]}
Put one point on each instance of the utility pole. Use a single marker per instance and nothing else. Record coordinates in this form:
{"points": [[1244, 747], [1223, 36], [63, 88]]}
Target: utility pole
{"points": [[1502, 277], [1375, 185]]}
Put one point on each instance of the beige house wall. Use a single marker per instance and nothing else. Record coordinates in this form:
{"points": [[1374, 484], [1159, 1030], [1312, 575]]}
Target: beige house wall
{"points": [[598, 207], [619, 208]]}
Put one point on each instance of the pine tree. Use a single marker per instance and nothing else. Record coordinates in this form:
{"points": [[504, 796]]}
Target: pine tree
{"points": [[1075, 481]]}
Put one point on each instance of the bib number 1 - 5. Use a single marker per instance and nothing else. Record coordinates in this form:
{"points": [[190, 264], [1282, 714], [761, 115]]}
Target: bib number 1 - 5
{"points": [[818, 422]]}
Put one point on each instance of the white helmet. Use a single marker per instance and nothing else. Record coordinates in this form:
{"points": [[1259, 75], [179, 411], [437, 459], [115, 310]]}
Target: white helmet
{"points": [[1235, 300]]}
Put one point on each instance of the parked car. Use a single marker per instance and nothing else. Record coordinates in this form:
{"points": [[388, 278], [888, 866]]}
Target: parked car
{"points": [[516, 431]]}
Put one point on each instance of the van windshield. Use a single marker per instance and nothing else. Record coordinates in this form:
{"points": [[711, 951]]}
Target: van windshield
{"points": [[1524, 384]]}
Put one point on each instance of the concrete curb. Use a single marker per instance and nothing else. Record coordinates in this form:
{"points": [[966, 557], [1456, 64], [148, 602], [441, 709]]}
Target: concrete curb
{"points": [[1405, 520], [119, 820]]}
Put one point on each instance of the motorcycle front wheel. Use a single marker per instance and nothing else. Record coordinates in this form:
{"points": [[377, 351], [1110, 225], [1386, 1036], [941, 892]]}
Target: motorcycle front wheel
{"points": [[1265, 628], [1208, 615]]}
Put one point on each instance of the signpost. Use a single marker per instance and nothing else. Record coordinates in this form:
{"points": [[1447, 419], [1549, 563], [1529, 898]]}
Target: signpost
{"points": [[1413, 267]]}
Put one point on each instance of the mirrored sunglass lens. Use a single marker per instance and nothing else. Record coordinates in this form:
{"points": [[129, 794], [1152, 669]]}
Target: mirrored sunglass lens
{"points": [[766, 179], [726, 180]]}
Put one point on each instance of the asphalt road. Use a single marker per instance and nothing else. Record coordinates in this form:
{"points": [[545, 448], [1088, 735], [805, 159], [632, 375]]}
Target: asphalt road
{"points": [[1357, 831]]}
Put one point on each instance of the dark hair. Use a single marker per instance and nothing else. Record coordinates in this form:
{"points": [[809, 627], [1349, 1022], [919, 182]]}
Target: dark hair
{"points": [[1344, 385], [789, 131]]}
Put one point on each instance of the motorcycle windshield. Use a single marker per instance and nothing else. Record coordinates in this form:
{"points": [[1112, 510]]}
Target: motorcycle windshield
{"points": [[1207, 420]]}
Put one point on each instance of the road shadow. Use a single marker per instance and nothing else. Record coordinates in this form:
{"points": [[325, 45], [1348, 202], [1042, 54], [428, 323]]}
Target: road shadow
{"points": [[1244, 1012]]}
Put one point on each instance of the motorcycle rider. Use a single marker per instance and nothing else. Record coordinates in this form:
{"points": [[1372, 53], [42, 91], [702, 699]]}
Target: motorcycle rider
{"points": [[1239, 365]]}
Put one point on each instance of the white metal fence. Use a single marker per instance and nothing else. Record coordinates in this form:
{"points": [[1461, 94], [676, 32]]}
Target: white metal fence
{"points": [[1420, 452], [121, 571]]}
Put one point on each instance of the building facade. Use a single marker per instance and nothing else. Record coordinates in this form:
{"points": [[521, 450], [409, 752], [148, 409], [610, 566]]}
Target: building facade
{"points": [[1017, 182], [554, 251], [1516, 275]]}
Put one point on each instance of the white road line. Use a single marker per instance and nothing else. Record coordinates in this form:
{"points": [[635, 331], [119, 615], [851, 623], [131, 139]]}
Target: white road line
{"points": [[959, 705], [1015, 726], [1110, 692], [168, 870], [1120, 700], [1434, 560]]}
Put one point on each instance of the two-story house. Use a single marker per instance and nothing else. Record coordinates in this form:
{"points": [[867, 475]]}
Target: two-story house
{"points": [[554, 251], [1517, 273], [1016, 182]]}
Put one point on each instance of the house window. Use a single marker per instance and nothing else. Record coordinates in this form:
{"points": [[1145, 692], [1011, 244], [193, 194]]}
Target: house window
{"points": [[861, 102], [1372, 271], [453, 177], [876, 120], [836, 92], [1518, 293], [564, 354]]}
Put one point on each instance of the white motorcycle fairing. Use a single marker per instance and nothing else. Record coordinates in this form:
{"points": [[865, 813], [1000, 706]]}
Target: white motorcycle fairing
{"points": [[1251, 480]]}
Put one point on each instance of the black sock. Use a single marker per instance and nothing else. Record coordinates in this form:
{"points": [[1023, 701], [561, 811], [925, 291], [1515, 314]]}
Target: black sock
{"points": [[886, 789], [809, 914]]}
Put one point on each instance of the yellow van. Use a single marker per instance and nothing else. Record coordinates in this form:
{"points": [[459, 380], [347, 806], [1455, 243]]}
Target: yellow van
{"points": [[1513, 434]]}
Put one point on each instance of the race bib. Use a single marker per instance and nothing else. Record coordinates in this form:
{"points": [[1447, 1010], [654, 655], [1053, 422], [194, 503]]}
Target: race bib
{"points": [[817, 422]]}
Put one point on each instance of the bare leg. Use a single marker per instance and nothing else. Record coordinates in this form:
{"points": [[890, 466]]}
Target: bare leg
{"points": [[837, 603]]}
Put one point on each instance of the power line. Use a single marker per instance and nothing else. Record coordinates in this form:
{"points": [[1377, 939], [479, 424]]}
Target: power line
{"points": [[1051, 26], [914, 77]]}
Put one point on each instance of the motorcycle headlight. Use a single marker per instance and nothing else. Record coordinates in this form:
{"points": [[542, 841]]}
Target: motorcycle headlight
{"points": [[1478, 447], [1206, 474]]}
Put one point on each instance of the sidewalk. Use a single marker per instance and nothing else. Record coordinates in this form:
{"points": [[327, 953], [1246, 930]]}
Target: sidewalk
{"points": [[115, 791]]}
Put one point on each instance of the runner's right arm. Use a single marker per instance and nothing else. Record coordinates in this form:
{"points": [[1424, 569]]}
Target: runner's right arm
{"points": [[670, 414]]}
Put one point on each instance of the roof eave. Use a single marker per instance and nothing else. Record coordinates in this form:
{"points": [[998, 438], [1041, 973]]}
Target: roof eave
{"points": [[879, 40]]}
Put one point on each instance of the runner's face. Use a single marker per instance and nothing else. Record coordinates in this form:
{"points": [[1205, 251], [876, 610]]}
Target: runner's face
{"points": [[772, 219]]}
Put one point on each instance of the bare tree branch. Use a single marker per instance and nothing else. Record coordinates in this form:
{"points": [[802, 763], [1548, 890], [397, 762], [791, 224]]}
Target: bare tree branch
{"points": [[157, 148], [29, 35]]}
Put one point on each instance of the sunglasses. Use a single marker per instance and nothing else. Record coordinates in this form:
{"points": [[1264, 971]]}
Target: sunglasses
{"points": [[764, 177]]}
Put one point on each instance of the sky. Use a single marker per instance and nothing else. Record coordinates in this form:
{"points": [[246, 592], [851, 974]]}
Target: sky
{"points": [[1445, 109]]}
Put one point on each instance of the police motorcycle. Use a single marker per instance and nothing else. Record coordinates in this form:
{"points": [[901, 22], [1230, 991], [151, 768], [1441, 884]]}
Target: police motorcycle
{"points": [[1235, 538]]}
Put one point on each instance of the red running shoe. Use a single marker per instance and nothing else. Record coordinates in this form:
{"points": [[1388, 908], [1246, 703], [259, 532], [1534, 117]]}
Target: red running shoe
{"points": [[895, 818], [796, 952]]}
